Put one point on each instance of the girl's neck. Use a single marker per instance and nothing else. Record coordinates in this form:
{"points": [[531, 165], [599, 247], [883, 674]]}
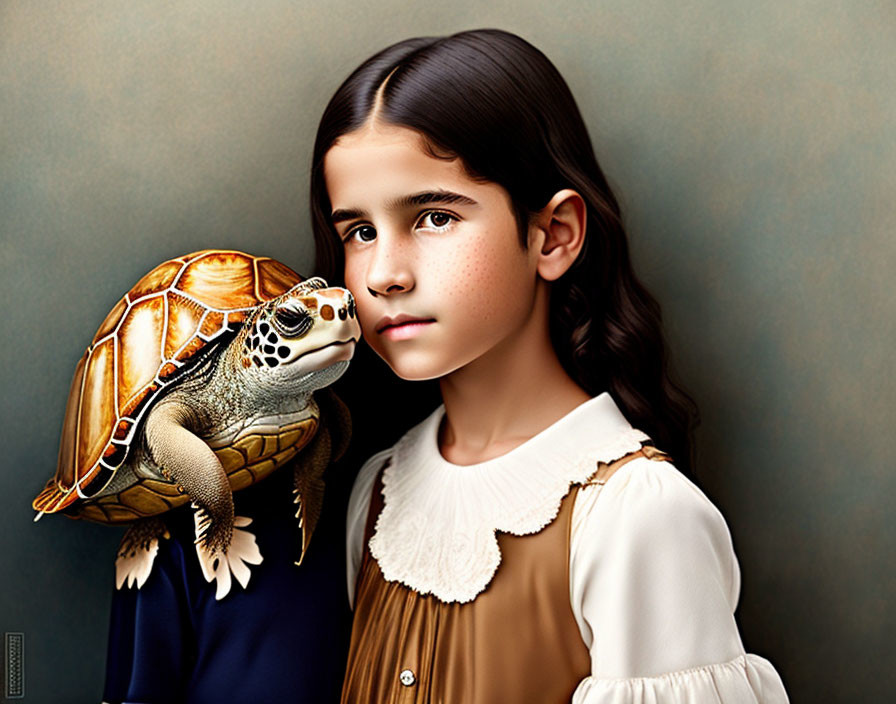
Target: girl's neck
{"points": [[505, 397]]}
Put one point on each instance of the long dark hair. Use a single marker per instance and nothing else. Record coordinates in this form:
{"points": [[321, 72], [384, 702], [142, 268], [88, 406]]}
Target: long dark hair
{"points": [[495, 101]]}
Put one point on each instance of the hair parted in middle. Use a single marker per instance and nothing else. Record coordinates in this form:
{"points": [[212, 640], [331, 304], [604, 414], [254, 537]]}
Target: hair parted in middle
{"points": [[493, 100]]}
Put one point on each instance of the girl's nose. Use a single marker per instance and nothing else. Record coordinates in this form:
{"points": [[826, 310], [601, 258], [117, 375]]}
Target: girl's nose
{"points": [[389, 270]]}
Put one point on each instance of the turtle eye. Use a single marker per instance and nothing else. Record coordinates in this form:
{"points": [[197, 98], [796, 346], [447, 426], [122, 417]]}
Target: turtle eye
{"points": [[292, 322]]}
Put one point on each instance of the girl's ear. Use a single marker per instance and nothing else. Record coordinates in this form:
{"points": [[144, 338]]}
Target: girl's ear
{"points": [[559, 231]]}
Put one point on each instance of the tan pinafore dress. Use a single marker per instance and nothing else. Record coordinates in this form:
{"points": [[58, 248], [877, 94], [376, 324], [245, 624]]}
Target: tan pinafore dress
{"points": [[516, 642]]}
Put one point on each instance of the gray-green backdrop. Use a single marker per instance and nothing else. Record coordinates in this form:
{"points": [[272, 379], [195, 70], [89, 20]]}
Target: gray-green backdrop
{"points": [[754, 149]]}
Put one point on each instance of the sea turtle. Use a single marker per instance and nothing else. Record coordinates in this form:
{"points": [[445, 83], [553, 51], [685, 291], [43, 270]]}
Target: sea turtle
{"points": [[199, 382]]}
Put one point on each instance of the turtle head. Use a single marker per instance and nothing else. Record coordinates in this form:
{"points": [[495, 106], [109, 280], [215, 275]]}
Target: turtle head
{"points": [[308, 334]]}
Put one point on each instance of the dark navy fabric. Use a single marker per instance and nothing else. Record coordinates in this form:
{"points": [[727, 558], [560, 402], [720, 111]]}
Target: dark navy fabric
{"points": [[282, 639]]}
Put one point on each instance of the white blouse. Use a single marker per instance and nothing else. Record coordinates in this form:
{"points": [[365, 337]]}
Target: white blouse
{"points": [[654, 581]]}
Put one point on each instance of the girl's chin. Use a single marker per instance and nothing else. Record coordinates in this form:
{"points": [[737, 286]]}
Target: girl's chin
{"points": [[417, 367], [417, 373]]}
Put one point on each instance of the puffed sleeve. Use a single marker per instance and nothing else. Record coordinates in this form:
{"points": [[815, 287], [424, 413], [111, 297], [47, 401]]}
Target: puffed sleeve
{"points": [[356, 519], [653, 585]]}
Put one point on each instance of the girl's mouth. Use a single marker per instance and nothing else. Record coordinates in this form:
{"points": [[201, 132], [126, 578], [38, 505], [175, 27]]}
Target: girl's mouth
{"points": [[403, 331]]}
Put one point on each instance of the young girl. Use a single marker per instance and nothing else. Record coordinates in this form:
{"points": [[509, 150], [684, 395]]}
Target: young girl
{"points": [[530, 540]]}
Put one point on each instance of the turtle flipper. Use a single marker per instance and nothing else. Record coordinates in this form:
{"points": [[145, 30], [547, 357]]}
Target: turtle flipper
{"points": [[308, 485], [137, 552], [186, 459], [309, 500], [329, 444], [219, 565], [338, 419]]}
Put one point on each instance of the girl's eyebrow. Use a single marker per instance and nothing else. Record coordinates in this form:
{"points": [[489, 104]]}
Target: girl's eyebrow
{"points": [[422, 198]]}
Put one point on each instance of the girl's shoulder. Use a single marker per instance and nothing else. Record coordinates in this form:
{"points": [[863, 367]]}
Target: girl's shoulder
{"points": [[356, 516], [363, 485], [648, 509], [650, 486]]}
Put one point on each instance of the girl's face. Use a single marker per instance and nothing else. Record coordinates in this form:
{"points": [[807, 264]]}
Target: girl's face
{"points": [[423, 241]]}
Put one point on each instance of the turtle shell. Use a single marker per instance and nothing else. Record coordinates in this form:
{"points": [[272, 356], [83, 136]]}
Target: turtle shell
{"points": [[154, 334]]}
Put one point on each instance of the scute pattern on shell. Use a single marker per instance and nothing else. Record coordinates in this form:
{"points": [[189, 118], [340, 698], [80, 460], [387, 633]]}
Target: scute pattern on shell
{"points": [[246, 461], [149, 337]]}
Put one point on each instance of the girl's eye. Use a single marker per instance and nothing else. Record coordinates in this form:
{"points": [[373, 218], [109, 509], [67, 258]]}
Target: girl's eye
{"points": [[438, 219], [365, 233]]}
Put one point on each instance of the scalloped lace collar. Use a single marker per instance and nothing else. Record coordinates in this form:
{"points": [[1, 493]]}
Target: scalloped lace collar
{"points": [[436, 532]]}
